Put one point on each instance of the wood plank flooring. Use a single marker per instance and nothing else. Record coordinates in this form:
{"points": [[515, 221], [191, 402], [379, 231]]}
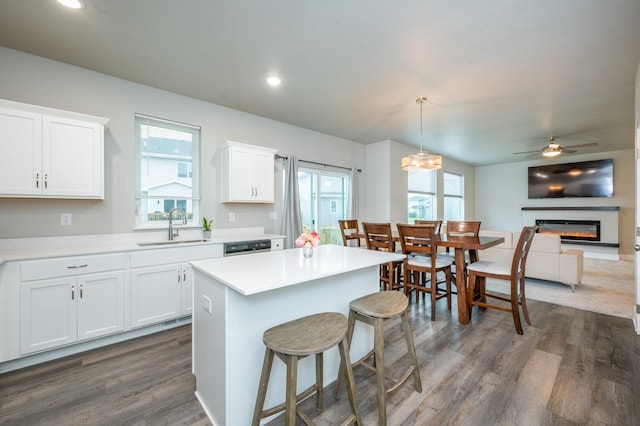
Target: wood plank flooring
{"points": [[571, 367]]}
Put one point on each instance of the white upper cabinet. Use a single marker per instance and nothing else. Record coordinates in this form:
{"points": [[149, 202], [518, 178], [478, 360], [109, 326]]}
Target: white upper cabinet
{"points": [[247, 173], [50, 153]]}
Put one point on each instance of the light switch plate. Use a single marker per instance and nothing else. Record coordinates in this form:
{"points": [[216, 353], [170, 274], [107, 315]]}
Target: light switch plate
{"points": [[232, 217]]}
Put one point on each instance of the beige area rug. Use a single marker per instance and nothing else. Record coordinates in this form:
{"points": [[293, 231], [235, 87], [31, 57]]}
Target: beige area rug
{"points": [[607, 287]]}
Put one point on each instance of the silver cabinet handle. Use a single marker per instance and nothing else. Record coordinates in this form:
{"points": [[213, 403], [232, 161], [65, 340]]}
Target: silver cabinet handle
{"points": [[184, 275], [45, 181], [81, 289], [38, 180], [637, 247], [178, 275], [77, 266], [73, 292]]}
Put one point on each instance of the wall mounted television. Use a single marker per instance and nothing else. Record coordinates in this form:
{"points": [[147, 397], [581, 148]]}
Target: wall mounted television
{"points": [[583, 179]]}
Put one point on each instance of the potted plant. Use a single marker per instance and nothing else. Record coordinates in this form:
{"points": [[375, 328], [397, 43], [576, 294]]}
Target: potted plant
{"points": [[206, 224]]}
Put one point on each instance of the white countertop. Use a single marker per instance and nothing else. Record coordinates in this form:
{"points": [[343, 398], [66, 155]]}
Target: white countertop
{"points": [[259, 272], [38, 248]]}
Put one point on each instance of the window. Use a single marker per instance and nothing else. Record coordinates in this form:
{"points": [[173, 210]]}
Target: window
{"points": [[453, 196], [323, 201], [184, 170], [167, 174], [421, 195]]}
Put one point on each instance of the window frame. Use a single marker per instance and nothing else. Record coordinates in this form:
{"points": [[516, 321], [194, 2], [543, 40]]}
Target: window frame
{"points": [[446, 195], [433, 195], [140, 195]]}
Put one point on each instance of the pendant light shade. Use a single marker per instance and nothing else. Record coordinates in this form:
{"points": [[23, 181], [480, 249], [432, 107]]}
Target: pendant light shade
{"points": [[423, 160]]}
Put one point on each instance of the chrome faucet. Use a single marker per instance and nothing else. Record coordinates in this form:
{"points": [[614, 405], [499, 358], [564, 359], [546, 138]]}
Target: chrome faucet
{"points": [[184, 222]]}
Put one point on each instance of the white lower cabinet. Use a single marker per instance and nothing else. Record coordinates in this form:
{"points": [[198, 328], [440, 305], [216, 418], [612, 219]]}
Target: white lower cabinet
{"points": [[162, 282], [65, 310], [160, 293]]}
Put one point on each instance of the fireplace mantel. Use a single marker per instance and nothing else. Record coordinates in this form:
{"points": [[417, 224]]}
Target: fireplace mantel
{"points": [[600, 208]]}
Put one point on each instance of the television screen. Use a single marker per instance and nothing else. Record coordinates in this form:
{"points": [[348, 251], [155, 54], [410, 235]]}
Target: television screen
{"points": [[584, 179]]}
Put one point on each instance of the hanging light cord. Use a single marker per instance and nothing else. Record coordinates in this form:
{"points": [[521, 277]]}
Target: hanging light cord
{"points": [[421, 101]]}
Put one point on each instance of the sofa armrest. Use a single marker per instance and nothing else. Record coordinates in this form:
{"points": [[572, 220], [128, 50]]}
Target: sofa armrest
{"points": [[571, 267]]}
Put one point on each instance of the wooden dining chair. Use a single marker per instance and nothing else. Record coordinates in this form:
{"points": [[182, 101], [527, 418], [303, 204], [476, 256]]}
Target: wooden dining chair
{"points": [[462, 228], [514, 273], [437, 224], [421, 260], [379, 237], [349, 228]]}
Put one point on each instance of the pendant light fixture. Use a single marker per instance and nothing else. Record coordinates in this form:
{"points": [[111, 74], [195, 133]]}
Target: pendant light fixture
{"points": [[422, 160]]}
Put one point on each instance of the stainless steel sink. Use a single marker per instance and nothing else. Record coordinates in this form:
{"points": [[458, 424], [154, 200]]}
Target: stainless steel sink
{"points": [[172, 242]]}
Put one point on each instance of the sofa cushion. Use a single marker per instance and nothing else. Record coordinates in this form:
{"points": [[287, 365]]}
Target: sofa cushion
{"points": [[546, 243]]}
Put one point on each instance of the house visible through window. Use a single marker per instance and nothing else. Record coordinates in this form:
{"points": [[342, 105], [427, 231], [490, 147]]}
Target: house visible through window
{"points": [[421, 195], [453, 196], [323, 201], [167, 171]]}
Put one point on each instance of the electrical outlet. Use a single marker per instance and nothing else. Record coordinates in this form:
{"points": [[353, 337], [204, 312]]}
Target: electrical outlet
{"points": [[232, 217], [273, 215], [65, 219]]}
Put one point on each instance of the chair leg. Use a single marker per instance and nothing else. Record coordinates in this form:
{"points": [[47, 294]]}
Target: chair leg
{"points": [[291, 390], [379, 360], [447, 277], [523, 302], [412, 350], [341, 370], [319, 379], [515, 308], [345, 364], [433, 291], [262, 388]]}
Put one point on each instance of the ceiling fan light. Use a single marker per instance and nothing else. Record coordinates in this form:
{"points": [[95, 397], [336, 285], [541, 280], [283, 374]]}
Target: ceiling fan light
{"points": [[551, 152]]}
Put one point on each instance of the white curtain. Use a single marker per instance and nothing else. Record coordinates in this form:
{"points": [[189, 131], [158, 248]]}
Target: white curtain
{"points": [[291, 217], [353, 195]]}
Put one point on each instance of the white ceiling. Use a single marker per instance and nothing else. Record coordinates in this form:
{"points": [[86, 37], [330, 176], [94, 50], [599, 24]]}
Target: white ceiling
{"points": [[501, 76]]}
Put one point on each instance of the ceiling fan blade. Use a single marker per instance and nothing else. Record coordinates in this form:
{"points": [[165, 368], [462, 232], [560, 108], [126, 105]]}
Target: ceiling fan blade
{"points": [[537, 154], [569, 151], [527, 152], [583, 145]]}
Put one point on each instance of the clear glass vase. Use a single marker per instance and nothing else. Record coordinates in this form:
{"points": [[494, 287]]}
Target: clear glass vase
{"points": [[307, 251]]}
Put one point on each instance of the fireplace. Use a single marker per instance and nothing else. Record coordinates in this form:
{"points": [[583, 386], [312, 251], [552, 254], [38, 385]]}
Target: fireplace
{"points": [[571, 230]]}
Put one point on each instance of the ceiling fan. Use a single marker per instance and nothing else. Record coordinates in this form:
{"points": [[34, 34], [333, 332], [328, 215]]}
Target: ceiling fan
{"points": [[553, 149]]}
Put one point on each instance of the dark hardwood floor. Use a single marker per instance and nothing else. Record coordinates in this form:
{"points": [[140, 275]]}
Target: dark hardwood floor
{"points": [[571, 367]]}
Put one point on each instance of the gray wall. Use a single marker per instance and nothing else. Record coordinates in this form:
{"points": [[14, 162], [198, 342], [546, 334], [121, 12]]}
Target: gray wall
{"points": [[36, 80], [501, 192]]}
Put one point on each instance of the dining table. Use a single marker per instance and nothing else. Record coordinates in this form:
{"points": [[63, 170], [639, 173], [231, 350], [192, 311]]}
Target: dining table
{"points": [[460, 244]]}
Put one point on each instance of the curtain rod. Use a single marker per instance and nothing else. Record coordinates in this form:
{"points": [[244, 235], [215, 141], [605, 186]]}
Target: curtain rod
{"points": [[284, 157]]}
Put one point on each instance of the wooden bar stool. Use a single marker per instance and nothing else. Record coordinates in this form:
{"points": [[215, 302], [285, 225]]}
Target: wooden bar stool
{"points": [[373, 309], [294, 340]]}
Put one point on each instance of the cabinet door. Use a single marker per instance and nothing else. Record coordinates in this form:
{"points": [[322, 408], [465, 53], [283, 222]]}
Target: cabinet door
{"points": [[240, 175], [72, 158], [48, 314], [21, 148], [100, 304], [156, 294], [187, 289], [263, 176]]}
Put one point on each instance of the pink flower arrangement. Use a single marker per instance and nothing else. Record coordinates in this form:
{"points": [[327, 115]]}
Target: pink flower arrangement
{"points": [[308, 239]]}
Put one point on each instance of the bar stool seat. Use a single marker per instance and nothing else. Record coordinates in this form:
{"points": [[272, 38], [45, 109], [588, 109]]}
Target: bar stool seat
{"points": [[373, 309], [294, 340]]}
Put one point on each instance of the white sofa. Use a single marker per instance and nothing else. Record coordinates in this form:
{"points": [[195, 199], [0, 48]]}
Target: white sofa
{"points": [[547, 260]]}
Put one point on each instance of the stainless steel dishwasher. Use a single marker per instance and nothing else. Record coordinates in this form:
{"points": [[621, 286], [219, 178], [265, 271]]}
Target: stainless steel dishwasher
{"points": [[246, 247]]}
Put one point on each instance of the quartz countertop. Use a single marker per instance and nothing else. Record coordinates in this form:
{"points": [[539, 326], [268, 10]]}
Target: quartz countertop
{"points": [[38, 248], [259, 272]]}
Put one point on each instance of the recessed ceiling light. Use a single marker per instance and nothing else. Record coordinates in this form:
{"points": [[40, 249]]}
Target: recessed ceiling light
{"points": [[274, 81], [73, 4]]}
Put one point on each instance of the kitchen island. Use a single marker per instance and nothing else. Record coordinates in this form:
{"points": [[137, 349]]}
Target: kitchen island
{"points": [[237, 298]]}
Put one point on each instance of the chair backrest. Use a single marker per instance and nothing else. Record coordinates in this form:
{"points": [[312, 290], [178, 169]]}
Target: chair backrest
{"points": [[437, 224], [348, 228], [417, 240], [378, 236], [464, 227], [522, 251]]}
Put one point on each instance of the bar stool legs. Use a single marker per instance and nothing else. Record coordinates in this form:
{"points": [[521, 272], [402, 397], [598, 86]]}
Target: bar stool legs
{"points": [[293, 341], [373, 310]]}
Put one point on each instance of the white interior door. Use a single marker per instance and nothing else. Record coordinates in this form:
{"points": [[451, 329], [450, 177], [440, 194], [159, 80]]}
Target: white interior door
{"points": [[636, 317]]}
